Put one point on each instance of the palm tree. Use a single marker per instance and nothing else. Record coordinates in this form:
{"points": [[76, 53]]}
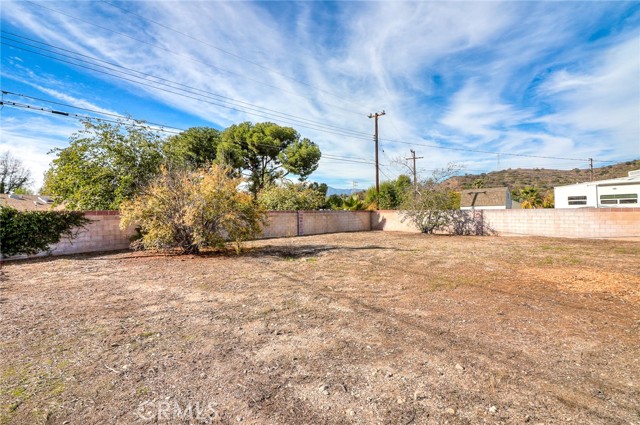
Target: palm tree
{"points": [[353, 203], [530, 197]]}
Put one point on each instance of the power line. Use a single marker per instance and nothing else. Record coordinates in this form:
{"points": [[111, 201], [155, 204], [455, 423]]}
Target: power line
{"points": [[493, 153], [269, 114], [135, 122], [161, 48], [247, 108], [234, 55], [87, 109], [131, 122]]}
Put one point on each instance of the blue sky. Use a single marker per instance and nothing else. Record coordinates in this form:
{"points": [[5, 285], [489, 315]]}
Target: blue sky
{"points": [[459, 81]]}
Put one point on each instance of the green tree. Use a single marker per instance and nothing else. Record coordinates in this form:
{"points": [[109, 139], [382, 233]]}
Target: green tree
{"points": [[335, 202], [428, 207], [194, 148], [13, 176], [478, 184], [391, 196], [189, 210], [353, 203], [104, 165], [530, 197], [267, 152], [291, 197]]}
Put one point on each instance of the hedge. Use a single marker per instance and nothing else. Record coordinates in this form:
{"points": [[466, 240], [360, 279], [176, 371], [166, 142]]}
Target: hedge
{"points": [[30, 232]]}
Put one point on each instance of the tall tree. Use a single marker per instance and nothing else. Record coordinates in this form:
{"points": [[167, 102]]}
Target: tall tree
{"points": [[192, 149], [13, 175], [267, 152], [104, 164]]}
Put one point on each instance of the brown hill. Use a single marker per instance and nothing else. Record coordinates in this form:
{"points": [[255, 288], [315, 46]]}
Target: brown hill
{"points": [[542, 178]]}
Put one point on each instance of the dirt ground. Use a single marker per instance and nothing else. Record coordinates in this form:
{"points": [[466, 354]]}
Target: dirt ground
{"points": [[357, 328]]}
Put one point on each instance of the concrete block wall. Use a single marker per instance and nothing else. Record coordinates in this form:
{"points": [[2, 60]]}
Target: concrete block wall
{"points": [[103, 233], [319, 222], [568, 223], [564, 223], [390, 220], [280, 224]]}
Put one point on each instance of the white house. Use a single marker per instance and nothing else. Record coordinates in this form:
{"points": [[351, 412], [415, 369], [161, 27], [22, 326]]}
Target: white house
{"points": [[614, 193]]}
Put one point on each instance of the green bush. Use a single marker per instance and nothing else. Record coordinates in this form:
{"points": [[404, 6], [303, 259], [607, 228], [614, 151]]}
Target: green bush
{"points": [[30, 232]]}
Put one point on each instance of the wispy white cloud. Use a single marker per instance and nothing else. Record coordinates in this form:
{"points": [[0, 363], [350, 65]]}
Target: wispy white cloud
{"points": [[517, 76]]}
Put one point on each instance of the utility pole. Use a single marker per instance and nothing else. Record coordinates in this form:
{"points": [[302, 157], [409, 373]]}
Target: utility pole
{"points": [[591, 167], [375, 138], [414, 157]]}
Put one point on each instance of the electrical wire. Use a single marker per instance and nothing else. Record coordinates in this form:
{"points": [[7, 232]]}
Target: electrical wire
{"points": [[202, 96], [161, 48], [234, 55], [131, 121], [136, 122]]}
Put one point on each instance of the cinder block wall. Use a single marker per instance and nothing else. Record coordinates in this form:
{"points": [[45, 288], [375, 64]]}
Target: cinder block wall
{"points": [[569, 222], [103, 233], [318, 222], [390, 220], [280, 224], [564, 223]]}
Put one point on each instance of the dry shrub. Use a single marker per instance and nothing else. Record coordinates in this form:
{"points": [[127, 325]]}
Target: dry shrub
{"points": [[189, 210]]}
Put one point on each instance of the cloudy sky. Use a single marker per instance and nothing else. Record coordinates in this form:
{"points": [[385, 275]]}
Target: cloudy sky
{"points": [[488, 85]]}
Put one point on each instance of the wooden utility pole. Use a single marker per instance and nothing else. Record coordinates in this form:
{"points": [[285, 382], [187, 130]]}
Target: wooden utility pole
{"points": [[375, 138], [414, 157], [591, 167]]}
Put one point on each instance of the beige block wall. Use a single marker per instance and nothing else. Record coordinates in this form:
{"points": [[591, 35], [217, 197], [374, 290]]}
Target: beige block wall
{"points": [[390, 220], [319, 222], [566, 223], [571, 223], [280, 224], [103, 233]]}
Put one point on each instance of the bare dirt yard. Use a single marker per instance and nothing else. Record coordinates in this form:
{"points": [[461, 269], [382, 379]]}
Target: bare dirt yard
{"points": [[357, 328]]}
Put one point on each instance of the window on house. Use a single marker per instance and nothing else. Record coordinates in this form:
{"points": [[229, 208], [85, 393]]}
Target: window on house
{"points": [[577, 200], [622, 198]]}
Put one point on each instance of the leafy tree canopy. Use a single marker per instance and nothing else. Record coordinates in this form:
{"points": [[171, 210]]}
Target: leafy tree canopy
{"points": [[14, 177], [267, 152], [428, 206], [292, 197], [392, 194], [104, 164], [194, 148]]}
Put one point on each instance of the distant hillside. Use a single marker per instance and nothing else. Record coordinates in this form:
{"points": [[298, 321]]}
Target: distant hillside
{"points": [[542, 178], [335, 191]]}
